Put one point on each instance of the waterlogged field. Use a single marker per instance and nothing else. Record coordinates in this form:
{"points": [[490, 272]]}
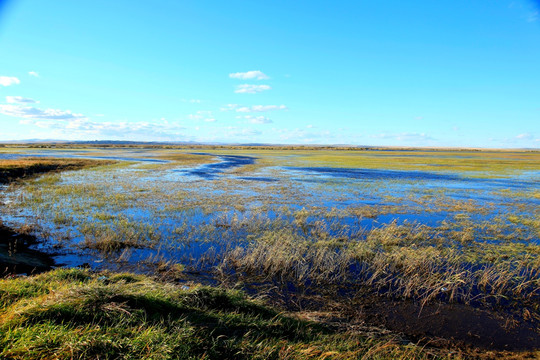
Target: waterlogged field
{"points": [[309, 228]]}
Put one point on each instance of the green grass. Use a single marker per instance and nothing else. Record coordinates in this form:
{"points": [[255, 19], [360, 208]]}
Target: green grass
{"points": [[485, 163], [76, 314], [414, 261], [483, 254]]}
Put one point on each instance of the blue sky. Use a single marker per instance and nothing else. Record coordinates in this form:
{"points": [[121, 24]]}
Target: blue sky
{"points": [[421, 73]]}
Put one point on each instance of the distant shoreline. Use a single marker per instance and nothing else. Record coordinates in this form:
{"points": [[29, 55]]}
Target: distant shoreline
{"points": [[166, 145]]}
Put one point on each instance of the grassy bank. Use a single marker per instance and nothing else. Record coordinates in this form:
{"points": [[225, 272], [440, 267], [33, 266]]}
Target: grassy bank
{"points": [[77, 314], [14, 169]]}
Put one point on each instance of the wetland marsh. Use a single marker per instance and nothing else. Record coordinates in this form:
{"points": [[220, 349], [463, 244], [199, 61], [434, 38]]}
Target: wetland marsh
{"points": [[369, 235]]}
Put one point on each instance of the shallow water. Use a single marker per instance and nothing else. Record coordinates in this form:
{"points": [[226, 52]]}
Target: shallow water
{"points": [[76, 154], [211, 171], [181, 214]]}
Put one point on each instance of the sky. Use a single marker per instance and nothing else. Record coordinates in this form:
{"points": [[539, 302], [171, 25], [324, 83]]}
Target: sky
{"points": [[456, 73]]}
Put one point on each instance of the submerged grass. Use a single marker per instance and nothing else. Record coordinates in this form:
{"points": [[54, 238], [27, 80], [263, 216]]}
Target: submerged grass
{"points": [[400, 261], [221, 225], [402, 240]]}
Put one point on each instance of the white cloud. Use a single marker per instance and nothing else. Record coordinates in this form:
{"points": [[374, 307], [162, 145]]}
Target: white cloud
{"points": [[258, 119], [254, 74], [87, 129], [525, 136], [20, 100], [192, 101], [229, 107], [241, 132], [251, 89], [33, 73], [66, 124], [303, 136], [195, 117], [404, 136], [260, 108], [202, 115], [525, 139], [316, 136], [35, 113], [533, 16], [9, 80]]}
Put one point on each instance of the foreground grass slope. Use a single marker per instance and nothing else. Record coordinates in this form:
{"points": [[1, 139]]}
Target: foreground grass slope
{"points": [[77, 314]]}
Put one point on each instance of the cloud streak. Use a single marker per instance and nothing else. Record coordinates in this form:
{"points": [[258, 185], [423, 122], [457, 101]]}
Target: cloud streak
{"points": [[525, 136], [533, 16], [232, 131], [229, 107], [251, 89], [20, 100], [404, 136], [30, 112], [259, 108], [84, 128], [258, 119], [248, 75], [204, 115]]}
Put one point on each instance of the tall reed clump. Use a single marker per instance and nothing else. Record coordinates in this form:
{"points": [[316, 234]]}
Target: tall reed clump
{"points": [[402, 261]]}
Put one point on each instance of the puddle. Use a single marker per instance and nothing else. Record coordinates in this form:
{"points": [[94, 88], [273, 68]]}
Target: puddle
{"points": [[18, 256], [456, 323], [375, 174]]}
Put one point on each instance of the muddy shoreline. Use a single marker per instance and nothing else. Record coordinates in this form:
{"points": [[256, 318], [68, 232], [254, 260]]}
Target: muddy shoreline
{"points": [[41, 166], [433, 324], [16, 255]]}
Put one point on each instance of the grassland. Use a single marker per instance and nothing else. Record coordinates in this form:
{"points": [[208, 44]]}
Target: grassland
{"points": [[480, 163], [363, 251], [76, 314]]}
